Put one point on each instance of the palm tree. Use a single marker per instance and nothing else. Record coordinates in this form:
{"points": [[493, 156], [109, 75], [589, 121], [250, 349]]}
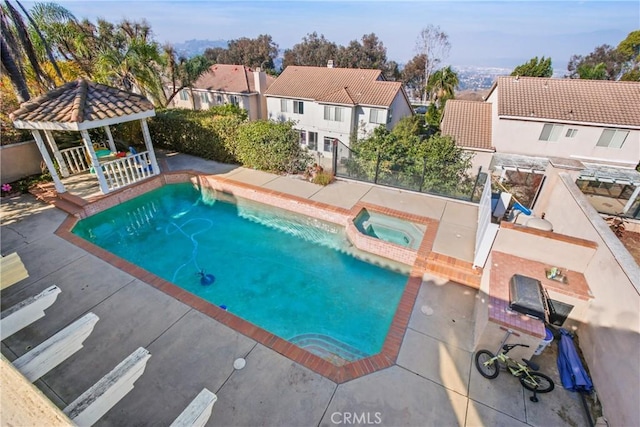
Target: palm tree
{"points": [[17, 44], [442, 84], [593, 72], [184, 72], [133, 66]]}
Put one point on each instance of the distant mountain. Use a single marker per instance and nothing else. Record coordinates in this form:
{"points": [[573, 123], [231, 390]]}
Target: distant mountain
{"points": [[194, 47]]}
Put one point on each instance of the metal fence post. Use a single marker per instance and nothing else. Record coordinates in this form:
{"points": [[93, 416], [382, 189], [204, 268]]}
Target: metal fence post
{"points": [[375, 178], [475, 184]]}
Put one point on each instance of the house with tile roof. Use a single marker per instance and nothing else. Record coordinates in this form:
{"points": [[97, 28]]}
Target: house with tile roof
{"points": [[333, 104], [469, 123], [594, 125], [228, 84], [586, 120]]}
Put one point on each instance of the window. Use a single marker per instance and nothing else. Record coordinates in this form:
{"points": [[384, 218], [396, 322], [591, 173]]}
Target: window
{"points": [[303, 137], [184, 96], [389, 116], [376, 116], [204, 97], [612, 138], [283, 105], [234, 100], [571, 133], [219, 99], [333, 114], [298, 107], [328, 142], [550, 132], [313, 140]]}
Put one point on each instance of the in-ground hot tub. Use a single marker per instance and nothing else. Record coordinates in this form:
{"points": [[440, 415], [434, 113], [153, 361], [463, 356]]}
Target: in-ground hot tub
{"points": [[390, 229]]}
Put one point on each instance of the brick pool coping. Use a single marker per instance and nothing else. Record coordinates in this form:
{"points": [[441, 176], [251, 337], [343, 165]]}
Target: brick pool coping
{"points": [[339, 374]]}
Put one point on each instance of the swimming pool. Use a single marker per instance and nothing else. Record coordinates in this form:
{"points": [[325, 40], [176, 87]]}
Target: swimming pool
{"points": [[294, 276]]}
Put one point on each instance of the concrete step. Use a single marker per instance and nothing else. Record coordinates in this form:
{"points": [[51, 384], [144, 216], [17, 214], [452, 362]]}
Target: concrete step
{"points": [[68, 207], [451, 268]]}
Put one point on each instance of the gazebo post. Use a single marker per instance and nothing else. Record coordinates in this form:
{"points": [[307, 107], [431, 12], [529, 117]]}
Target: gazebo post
{"points": [[47, 160], [94, 161], [147, 142], [112, 145], [56, 153]]}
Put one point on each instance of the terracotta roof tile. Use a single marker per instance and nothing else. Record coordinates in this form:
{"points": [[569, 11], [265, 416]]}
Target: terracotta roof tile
{"points": [[350, 86], [81, 101], [573, 100], [468, 122], [229, 78]]}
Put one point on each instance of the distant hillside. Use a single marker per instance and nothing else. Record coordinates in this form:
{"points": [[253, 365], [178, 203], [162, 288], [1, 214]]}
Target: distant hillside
{"points": [[194, 47]]}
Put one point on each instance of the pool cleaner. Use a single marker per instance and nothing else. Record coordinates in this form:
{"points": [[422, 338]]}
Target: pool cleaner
{"points": [[206, 279]]}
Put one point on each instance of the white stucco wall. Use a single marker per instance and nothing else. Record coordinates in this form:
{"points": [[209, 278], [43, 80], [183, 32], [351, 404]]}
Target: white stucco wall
{"points": [[610, 337], [248, 102], [522, 137], [354, 118]]}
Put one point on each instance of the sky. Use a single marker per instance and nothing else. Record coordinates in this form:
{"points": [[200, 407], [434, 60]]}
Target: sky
{"points": [[481, 33]]}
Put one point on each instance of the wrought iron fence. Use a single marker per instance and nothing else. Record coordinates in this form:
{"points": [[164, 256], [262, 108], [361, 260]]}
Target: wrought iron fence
{"points": [[412, 175]]}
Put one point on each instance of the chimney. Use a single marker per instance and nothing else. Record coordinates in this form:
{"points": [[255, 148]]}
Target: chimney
{"points": [[330, 63], [260, 83]]}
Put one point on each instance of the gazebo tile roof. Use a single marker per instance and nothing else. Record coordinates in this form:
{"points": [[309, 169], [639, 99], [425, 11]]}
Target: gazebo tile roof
{"points": [[81, 101]]}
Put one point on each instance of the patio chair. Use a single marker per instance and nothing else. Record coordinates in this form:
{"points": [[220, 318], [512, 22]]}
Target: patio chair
{"points": [[143, 167]]}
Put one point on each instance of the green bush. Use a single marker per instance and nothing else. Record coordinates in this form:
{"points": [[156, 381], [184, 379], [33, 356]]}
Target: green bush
{"points": [[270, 146], [222, 134]]}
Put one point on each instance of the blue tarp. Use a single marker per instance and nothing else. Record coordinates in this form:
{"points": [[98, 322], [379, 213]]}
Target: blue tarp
{"points": [[572, 373]]}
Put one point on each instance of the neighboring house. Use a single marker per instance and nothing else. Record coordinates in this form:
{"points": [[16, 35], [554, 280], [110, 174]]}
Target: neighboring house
{"points": [[333, 104], [469, 123], [228, 84], [586, 120], [594, 125]]}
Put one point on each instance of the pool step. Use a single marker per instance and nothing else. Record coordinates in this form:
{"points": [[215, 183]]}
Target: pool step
{"points": [[451, 268], [67, 202], [328, 348]]}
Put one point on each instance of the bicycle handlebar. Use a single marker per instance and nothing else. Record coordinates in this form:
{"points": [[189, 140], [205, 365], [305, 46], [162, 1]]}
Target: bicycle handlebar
{"points": [[508, 347]]}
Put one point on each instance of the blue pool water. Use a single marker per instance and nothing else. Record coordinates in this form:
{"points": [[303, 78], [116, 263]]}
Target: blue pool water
{"points": [[294, 276]]}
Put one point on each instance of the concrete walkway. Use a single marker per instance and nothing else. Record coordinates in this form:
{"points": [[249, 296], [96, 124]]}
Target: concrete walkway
{"points": [[432, 383]]}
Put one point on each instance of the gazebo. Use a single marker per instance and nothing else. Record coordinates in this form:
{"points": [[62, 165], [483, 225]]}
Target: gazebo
{"points": [[82, 105]]}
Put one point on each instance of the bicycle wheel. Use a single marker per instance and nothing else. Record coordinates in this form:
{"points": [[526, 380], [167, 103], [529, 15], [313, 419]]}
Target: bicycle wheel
{"points": [[487, 364], [537, 382]]}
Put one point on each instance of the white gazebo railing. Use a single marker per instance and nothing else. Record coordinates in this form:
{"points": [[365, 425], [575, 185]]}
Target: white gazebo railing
{"points": [[127, 170], [75, 159]]}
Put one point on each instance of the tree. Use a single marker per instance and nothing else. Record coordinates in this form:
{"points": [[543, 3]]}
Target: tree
{"points": [[184, 72], [592, 72], [259, 52], [629, 49], [434, 45], [442, 85], [447, 165], [15, 45], [370, 53], [413, 74], [534, 68], [314, 51], [612, 59], [134, 67]]}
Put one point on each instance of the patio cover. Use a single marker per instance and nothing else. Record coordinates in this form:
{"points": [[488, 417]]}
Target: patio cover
{"points": [[78, 106]]}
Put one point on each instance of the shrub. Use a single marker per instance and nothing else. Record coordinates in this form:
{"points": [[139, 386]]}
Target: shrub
{"points": [[323, 178], [270, 146]]}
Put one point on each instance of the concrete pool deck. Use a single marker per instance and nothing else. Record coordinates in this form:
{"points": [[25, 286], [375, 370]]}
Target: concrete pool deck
{"points": [[432, 382]]}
